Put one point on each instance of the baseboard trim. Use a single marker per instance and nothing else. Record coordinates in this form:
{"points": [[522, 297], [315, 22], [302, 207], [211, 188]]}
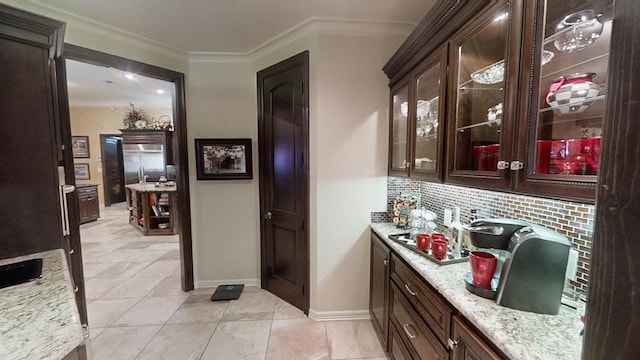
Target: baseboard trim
{"points": [[205, 284], [339, 315]]}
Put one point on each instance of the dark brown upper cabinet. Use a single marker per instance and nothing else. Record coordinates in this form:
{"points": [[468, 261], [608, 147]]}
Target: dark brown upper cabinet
{"points": [[481, 114], [399, 131], [416, 125], [525, 86], [426, 128], [562, 105]]}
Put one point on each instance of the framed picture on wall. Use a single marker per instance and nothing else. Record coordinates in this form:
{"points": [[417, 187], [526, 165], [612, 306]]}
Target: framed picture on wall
{"points": [[80, 146], [81, 171], [223, 159]]}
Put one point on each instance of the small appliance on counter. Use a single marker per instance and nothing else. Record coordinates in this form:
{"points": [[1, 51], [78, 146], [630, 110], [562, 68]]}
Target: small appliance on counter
{"points": [[531, 264]]}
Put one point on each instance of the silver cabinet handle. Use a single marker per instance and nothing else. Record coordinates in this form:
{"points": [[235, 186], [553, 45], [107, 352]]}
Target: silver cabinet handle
{"points": [[453, 343], [75, 288], [385, 262], [410, 333], [503, 165], [64, 190], [406, 286], [267, 215]]}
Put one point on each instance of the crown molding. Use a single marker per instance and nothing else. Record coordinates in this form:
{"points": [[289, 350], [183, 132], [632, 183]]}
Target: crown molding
{"points": [[312, 25]]}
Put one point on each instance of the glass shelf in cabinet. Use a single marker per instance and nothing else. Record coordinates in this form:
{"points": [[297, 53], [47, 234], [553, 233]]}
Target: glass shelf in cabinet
{"points": [[594, 118], [590, 100], [488, 123], [602, 57]]}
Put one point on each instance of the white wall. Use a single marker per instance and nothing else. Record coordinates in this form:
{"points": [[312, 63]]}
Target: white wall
{"points": [[221, 104], [350, 153]]}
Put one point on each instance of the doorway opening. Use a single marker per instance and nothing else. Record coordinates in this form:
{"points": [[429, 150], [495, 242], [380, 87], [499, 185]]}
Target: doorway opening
{"points": [[179, 142]]}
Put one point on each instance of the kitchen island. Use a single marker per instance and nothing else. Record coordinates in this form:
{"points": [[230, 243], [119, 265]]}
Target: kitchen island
{"points": [[517, 334], [153, 208], [40, 319]]}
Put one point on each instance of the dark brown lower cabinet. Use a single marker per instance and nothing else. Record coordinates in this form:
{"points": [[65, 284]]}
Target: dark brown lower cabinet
{"points": [[397, 349], [88, 203], [414, 332], [417, 322], [467, 344], [379, 288]]}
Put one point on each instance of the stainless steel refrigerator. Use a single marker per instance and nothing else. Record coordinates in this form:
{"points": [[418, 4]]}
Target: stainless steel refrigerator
{"points": [[142, 160]]}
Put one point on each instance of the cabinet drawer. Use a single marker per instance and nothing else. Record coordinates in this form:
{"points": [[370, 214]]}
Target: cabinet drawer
{"points": [[416, 335], [425, 300]]}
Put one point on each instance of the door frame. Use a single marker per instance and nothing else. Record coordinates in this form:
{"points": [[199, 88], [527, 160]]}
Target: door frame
{"points": [[102, 163], [74, 52], [301, 59]]}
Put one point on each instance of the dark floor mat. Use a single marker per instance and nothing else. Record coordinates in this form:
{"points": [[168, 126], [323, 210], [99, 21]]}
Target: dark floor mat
{"points": [[227, 292]]}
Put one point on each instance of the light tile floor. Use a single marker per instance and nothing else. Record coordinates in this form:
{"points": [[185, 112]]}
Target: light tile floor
{"points": [[137, 310]]}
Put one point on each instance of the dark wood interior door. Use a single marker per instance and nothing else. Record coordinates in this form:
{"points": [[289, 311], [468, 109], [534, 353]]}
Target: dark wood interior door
{"points": [[112, 169], [284, 190]]}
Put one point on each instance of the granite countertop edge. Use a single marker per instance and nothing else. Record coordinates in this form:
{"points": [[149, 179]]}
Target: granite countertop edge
{"points": [[151, 187], [40, 319], [518, 334]]}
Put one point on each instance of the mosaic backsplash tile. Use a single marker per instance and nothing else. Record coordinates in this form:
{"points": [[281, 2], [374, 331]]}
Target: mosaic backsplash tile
{"points": [[573, 220]]}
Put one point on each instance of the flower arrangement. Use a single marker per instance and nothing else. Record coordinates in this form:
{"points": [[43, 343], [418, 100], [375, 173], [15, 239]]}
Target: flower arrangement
{"points": [[134, 118]]}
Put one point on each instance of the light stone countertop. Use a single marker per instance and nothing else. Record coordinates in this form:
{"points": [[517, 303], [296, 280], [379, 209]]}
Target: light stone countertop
{"points": [[39, 319], [150, 186], [519, 334]]}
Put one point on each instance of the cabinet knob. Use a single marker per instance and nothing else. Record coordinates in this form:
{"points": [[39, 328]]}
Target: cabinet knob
{"points": [[385, 262], [267, 215], [453, 343], [503, 165], [406, 286], [516, 165]]}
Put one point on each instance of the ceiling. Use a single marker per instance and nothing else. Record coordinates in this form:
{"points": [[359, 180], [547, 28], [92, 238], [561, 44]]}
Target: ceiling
{"points": [[231, 26], [205, 26], [91, 85]]}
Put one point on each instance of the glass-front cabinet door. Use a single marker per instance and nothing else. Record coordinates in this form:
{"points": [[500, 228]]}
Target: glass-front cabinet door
{"points": [[481, 128], [398, 128], [568, 92], [427, 132]]}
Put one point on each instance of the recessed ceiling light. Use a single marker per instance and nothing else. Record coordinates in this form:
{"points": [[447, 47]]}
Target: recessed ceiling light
{"points": [[130, 76], [160, 91]]}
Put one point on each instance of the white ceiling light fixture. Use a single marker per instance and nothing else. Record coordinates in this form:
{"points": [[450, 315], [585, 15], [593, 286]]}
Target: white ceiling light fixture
{"points": [[130, 76], [160, 91]]}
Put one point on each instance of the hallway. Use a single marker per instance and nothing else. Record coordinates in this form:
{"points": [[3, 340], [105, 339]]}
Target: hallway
{"points": [[137, 310]]}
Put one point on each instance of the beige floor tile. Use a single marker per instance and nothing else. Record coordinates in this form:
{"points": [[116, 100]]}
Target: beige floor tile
{"points": [[284, 310], [122, 343], [251, 306], [241, 340], [145, 255], [297, 339], [123, 269], [193, 339], [92, 269], [199, 308], [170, 286], [150, 311], [95, 288], [94, 332], [352, 340], [173, 254], [132, 287], [160, 268], [103, 312]]}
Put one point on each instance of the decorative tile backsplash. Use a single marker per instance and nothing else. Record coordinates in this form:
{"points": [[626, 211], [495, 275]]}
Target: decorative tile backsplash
{"points": [[573, 220]]}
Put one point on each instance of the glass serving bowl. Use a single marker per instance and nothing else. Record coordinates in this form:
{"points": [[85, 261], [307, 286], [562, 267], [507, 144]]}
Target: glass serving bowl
{"points": [[578, 30], [491, 74]]}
